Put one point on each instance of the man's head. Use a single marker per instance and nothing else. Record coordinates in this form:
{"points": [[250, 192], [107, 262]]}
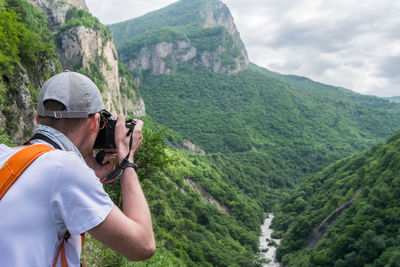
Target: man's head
{"points": [[70, 102], [79, 95]]}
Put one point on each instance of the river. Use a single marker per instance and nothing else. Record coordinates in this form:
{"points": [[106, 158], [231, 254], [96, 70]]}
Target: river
{"points": [[266, 248]]}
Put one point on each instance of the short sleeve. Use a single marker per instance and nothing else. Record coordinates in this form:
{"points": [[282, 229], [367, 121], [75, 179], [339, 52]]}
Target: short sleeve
{"points": [[78, 199]]}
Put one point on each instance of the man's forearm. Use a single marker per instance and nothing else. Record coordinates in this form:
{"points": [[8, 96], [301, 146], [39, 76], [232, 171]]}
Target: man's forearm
{"points": [[129, 232], [134, 202]]}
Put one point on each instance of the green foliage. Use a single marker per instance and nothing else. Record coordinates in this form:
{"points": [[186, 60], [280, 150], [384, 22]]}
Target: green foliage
{"points": [[26, 48], [5, 139], [24, 36], [164, 34], [9, 30], [127, 84], [78, 17], [94, 73], [208, 39], [98, 255], [367, 232], [188, 230]]}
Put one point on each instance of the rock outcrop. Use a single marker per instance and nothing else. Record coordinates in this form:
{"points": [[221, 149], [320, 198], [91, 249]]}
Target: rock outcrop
{"points": [[217, 14], [56, 10], [161, 57], [208, 197], [83, 48], [18, 115]]}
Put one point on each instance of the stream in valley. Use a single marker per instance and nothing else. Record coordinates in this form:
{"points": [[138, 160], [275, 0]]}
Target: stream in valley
{"points": [[267, 248]]}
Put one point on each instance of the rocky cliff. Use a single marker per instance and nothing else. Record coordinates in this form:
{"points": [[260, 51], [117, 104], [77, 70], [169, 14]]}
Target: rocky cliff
{"points": [[90, 49], [17, 109]]}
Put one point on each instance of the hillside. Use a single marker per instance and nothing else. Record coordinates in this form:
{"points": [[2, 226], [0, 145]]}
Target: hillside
{"points": [[275, 129], [366, 233]]}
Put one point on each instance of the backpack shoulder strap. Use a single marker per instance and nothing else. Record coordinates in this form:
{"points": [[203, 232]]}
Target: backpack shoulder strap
{"points": [[16, 165]]}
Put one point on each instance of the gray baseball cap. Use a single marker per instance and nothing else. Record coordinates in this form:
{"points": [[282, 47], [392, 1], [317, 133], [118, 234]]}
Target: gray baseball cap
{"points": [[77, 92]]}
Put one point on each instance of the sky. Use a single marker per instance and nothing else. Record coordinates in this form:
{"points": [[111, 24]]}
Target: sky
{"points": [[353, 44]]}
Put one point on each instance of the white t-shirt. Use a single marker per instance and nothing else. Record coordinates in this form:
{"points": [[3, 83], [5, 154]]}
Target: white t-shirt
{"points": [[57, 192]]}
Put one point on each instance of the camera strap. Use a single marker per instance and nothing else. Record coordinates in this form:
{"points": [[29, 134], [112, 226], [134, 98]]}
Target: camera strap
{"points": [[115, 174], [44, 138]]}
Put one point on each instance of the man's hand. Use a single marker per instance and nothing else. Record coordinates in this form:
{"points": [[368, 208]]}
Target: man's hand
{"points": [[122, 141], [108, 164]]}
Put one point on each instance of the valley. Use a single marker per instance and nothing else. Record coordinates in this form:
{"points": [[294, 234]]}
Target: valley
{"points": [[225, 140]]}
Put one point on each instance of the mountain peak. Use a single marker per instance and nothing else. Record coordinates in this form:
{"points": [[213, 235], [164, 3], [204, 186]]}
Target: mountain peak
{"points": [[201, 32], [217, 14]]}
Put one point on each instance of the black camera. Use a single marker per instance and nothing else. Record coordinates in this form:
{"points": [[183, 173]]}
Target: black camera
{"points": [[105, 138]]}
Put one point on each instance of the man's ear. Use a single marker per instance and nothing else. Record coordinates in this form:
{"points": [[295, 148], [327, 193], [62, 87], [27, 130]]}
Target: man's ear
{"points": [[37, 118], [94, 122]]}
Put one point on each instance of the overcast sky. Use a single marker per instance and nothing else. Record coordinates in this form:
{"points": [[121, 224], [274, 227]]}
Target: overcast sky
{"points": [[349, 43]]}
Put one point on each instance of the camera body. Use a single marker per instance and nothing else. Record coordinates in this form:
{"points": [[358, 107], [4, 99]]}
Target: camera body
{"points": [[106, 136]]}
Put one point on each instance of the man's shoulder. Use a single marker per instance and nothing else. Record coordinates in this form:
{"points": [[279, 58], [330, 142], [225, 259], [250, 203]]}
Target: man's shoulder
{"points": [[68, 167], [58, 163], [66, 159]]}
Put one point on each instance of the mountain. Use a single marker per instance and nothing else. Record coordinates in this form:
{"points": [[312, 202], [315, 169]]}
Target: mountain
{"points": [[274, 129], [197, 32], [256, 135], [346, 215]]}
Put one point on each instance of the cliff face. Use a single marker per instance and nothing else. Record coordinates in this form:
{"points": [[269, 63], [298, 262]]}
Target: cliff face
{"points": [[217, 14], [56, 10], [161, 57], [81, 46], [17, 119], [221, 51], [84, 48]]}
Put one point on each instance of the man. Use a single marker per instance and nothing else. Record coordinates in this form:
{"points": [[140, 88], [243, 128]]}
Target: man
{"points": [[60, 191]]}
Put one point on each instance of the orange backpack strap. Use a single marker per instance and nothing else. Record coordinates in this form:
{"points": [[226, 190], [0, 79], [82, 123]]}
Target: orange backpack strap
{"points": [[61, 250], [16, 165], [83, 252]]}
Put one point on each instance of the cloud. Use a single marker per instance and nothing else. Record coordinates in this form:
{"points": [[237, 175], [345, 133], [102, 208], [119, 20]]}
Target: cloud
{"points": [[390, 68], [353, 44], [349, 43], [113, 11]]}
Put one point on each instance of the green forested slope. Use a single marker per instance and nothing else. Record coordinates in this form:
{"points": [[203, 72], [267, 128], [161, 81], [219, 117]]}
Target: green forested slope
{"points": [[189, 231], [274, 134], [367, 233], [323, 90], [180, 14], [25, 39], [27, 57]]}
